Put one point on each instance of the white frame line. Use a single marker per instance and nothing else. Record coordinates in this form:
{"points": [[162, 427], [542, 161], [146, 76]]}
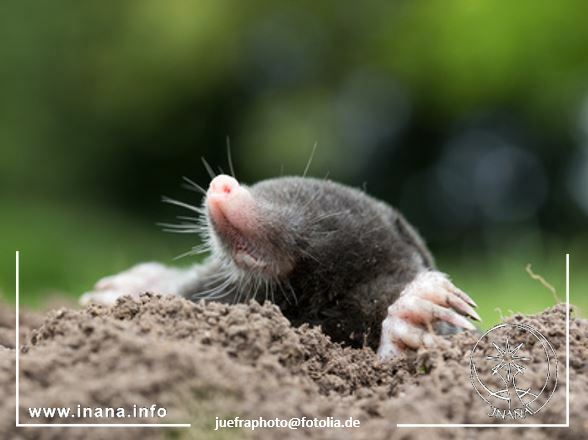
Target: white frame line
{"points": [[520, 425], [65, 425]]}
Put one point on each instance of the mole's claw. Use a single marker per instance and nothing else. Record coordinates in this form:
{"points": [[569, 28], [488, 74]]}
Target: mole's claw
{"points": [[457, 303], [462, 294], [429, 298], [474, 315], [432, 312]]}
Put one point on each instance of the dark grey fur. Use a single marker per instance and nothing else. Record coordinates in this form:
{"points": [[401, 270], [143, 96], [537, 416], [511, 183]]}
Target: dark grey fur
{"points": [[350, 257]]}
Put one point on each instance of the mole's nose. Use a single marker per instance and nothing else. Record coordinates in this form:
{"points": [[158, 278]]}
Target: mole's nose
{"points": [[230, 202], [223, 184]]}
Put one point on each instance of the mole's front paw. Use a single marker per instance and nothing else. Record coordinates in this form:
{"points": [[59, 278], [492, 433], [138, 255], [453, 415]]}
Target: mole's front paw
{"points": [[146, 277], [428, 300]]}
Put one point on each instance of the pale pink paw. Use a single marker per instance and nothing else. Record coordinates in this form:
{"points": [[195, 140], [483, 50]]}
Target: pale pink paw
{"points": [[145, 277], [428, 299]]}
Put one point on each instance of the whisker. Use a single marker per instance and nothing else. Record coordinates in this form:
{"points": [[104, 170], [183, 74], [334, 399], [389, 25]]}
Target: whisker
{"points": [[193, 186], [289, 286], [229, 158], [214, 291], [272, 293], [209, 169], [181, 231], [279, 284], [185, 254], [252, 294], [220, 291], [310, 160], [238, 298], [196, 250], [179, 226], [194, 219], [227, 293], [216, 277], [171, 201]]}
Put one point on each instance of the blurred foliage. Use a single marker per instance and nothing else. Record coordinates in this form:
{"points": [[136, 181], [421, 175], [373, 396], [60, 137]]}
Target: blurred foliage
{"points": [[471, 116]]}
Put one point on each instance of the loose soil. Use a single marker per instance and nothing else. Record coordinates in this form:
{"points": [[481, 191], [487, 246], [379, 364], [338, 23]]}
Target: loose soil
{"points": [[206, 360]]}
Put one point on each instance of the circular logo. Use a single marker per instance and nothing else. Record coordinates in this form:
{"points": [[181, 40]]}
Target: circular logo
{"points": [[513, 368]]}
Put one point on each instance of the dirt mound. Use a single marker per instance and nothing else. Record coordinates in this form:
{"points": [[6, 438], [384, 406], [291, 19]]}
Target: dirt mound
{"points": [[202, 361]]}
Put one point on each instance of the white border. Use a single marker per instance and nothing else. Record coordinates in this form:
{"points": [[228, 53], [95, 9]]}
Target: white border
{"points": [[66, 425], [520, 425]]}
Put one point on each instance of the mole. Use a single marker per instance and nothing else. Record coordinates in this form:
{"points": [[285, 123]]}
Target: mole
{"points": [[326, 254]]}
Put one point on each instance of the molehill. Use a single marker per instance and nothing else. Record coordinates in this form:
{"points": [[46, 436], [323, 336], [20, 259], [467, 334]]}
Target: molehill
{"points": [[206, 360]]}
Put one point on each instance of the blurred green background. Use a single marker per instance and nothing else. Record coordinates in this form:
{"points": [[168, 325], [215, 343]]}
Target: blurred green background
{"points": [[470, 116]]}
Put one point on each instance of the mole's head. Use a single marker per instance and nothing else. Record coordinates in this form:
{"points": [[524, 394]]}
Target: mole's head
{"points": [[277, 226], [248, 229]]}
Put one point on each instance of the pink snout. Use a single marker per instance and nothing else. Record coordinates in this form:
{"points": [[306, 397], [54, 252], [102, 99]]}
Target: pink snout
{"points": [[230, 202]]}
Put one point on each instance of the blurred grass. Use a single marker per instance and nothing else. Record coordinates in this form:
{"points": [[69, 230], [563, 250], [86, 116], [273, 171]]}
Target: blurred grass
{"points": [[65, 249], [475, 114], [501, 285]]}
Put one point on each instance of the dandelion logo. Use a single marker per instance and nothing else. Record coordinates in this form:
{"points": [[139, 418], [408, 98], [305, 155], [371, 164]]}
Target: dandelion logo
{"points": [[499, 366]]}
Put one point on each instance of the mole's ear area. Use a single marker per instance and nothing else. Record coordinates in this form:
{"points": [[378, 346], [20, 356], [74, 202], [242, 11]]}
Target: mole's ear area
{"points": [[431, 301]]}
